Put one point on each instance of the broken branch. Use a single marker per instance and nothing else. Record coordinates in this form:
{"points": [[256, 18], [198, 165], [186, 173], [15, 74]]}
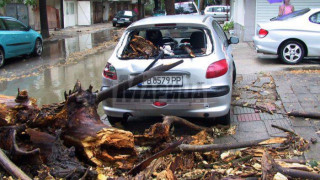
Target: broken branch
{"points": [[314, 115], [11, 168], [218, 147], [283, 129]]}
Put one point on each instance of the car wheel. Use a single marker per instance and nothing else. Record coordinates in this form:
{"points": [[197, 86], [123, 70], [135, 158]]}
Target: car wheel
{"points": [[234, 73], [113, 120], [292, 52], [224, 120], [38, 48], [1, 57]]}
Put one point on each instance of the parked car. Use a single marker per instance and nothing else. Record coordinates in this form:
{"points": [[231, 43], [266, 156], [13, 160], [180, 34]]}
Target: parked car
{"points": [[17, 39], [159, 12], [219, 13], [124, 18], [186, 7], [292, 37], [199, 87]]}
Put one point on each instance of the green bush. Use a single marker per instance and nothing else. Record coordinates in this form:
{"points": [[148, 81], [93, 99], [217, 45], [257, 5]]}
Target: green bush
{"points": [[228, 26]]}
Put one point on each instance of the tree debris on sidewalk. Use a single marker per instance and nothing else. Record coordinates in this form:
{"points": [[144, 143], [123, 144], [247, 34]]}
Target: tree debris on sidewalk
{"points": [[69, 141]]}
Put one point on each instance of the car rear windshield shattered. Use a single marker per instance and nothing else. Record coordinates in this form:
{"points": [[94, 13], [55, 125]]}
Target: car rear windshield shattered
{"points": [[177, 42]]}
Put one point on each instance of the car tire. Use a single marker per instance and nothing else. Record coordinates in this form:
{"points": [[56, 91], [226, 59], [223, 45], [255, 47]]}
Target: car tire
{"points": [[38, 48], [1, 57], [224, 120], [113, 120], [292, 52], [234, 73]]}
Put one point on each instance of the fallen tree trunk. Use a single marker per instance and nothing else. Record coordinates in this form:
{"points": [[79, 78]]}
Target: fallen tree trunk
{"points": [[314, 115], [11, 168], [270, 168], [161, 131]]}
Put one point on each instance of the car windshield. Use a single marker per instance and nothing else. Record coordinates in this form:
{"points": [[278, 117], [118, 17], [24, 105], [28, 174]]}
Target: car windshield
{"points": [[219, 9], [125, 13], [185, 8], [291, 15], [174, 41]]}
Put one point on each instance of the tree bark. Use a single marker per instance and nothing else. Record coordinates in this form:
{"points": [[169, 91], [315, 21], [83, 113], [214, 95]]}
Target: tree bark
{"points": [[11, 168], [156, 4], [43, 18], [169, 4], [218, 147], [314, 115]]}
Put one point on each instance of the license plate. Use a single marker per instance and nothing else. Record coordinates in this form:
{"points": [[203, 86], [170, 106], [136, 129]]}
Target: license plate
{"points": [[163, 81]]}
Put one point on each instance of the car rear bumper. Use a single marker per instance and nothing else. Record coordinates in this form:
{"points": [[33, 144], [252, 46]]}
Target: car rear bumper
{"points": [[265, 45], [212, 102]]}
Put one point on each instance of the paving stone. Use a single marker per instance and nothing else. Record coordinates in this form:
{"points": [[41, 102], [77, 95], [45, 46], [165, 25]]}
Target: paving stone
{"points": [[240, 102], [247, 95], [225, 139], [254, 89], [308, 133], [249, 136], [250, 77], [284, 90], [262, 81], [297, 89], [234, 119], [254, 126], [310, 105], [289, 98], [300, 122], [267, 116], [314, 89], [242, 110], [317, 96], [285, 123], [289, 107], [248, 117], [306, 97]]}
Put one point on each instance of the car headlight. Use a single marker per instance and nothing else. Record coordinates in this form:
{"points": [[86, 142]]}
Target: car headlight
{"points": [[114, 19], [127, 19]]}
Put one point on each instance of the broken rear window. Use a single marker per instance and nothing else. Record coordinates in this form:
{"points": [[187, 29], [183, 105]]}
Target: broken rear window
{"points": [[176, 42]]}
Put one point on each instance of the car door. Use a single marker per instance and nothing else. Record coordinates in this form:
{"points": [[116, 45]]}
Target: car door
{"points": [[18, 40], [314, 31]]}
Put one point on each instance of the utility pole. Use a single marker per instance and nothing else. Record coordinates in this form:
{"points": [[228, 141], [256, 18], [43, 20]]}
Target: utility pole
{"points": [[43, 18]]}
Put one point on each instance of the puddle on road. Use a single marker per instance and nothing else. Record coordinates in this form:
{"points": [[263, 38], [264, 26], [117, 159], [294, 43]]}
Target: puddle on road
{"points": [[54, 52], [49, 86]]}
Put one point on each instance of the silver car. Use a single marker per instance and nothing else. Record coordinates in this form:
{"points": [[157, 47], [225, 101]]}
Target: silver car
{"points": [[199, 87], [219, 13], [292, 37]]}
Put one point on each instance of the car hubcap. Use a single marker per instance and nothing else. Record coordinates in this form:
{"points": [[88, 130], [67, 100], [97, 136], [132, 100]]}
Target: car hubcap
{"points": [[39, 47], [292, 52]]}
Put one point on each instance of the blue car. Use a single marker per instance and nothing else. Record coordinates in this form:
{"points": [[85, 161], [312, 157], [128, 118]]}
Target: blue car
{"points": [[17, 39]]}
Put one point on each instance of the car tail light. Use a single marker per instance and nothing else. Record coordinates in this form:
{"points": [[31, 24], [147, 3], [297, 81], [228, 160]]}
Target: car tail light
{"points": [[110, 72], [263, 33], [217, 69], [159, 104]]}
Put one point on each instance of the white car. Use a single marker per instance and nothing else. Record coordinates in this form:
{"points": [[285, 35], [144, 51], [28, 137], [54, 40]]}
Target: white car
{"points": [[219, 13], [292, 37], [200, 87]]}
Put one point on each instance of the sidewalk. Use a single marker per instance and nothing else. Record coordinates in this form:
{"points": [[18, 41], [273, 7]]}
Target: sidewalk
{"points": [[260, 100], [77, 30]]}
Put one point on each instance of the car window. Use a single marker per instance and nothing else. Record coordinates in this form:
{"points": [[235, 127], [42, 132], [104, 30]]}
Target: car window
{"points": [[13, 25], [185, 8], [315, 18], [219, 9], [2, 26], [176, 39], [220, 32]]}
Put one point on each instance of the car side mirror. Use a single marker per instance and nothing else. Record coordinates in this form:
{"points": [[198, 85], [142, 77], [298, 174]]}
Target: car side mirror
{"points": [[202, 12], [28, 28], [233, 40]]}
